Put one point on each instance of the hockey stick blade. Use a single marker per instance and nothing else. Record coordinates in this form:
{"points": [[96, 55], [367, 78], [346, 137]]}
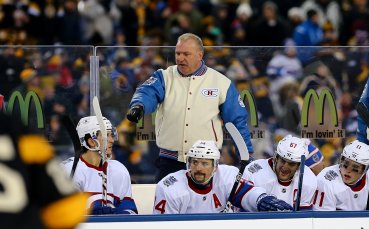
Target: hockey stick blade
{"points": [[99, 117], [71, 129], [299, 187], [238, 140], [363, 111], [244, 154]]}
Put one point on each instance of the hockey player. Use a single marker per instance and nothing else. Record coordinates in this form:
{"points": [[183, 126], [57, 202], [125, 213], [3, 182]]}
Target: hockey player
{"points": [[205, 187], [33, 192], [88, 174], [345, 186], [279, 175]]}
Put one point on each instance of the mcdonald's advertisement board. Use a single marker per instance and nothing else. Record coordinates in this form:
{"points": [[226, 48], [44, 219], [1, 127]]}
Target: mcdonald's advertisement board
{"points": [[319, 116], [24, 105]]}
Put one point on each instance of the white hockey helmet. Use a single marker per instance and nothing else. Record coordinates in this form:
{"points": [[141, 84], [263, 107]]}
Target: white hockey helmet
{"points": [[204, 149], [292, 148], [358, 152], [90, 125]]}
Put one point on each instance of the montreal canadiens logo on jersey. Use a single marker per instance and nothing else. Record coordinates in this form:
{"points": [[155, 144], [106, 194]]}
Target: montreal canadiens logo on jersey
{"points": [[210, 92]]}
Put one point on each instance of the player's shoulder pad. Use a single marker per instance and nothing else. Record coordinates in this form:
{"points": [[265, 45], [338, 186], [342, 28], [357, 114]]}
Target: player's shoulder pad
{"points": [[330, 175], [254, 167]]}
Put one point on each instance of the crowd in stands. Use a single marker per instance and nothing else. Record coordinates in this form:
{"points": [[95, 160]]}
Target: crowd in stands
{"points": [[218, 22], [278, 77]]}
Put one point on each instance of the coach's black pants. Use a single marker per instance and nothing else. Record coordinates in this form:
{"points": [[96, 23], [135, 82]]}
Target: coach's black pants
{"points": [[166, 166]]}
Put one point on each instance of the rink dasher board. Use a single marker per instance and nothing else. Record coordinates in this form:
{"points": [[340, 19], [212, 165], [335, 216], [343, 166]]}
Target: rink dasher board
{"points": [[300, 220]]}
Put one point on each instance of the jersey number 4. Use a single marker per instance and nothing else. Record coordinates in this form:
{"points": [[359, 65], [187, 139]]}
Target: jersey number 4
{"points": [[161, 206]]}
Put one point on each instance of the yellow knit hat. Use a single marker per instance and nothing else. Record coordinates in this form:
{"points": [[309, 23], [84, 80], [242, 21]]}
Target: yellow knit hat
{"points": [[27, 74]]}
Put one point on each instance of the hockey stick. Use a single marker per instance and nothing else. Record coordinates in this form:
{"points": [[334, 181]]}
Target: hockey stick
{"points": [[71, 128], [363, 111], [244, 154], [99, 117], [299, 185]]}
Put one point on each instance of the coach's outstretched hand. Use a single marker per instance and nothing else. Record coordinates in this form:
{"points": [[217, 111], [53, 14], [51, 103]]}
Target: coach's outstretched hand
{"points": [[135, 113]]}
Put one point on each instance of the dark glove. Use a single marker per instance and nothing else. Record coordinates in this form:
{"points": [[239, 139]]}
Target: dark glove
{"points": [[122, 209], [267, 202], [99, 209], [135, 113]]}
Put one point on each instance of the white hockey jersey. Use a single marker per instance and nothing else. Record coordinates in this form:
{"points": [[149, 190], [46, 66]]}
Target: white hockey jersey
{"points": [[176, 194], [88, 178], [333, 194], [261, 174]]}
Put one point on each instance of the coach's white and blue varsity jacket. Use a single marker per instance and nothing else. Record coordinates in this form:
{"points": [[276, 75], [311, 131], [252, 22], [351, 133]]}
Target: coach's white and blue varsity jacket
{"points": [[191, 108]]}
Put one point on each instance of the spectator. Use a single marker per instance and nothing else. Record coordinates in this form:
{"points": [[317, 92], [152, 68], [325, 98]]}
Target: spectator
{"points": [[270, 24], [308, 33], [329, 13], [188, 12]]}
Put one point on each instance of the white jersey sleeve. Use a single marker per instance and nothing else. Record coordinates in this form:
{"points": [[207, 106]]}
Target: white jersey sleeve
{"points": [[171, 195], [324, 199], [246, 194], [67, 167]]}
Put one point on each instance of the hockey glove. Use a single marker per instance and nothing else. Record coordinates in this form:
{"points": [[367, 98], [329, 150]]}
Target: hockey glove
{"points": [[99, 209], [135, 113], [122, 208], [267, 202]]}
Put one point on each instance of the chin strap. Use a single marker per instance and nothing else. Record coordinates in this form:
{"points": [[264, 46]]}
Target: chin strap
{"points": [[97, 149]]}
